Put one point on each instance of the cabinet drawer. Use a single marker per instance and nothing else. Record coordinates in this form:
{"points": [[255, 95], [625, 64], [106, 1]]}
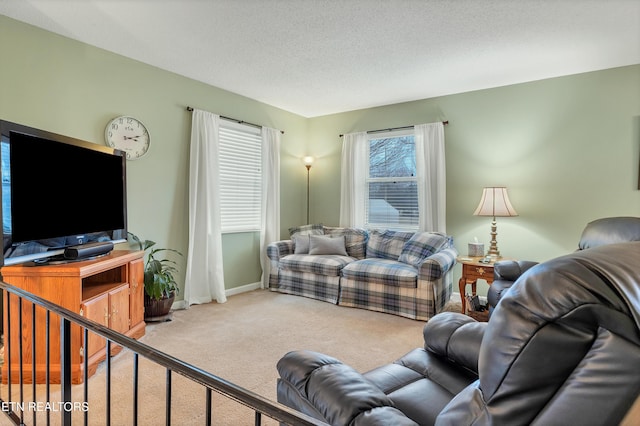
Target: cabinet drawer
{"points": [[475, 272]]}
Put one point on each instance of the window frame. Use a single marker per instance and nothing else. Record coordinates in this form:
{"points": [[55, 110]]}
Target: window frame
{"points": [[392, 179]]}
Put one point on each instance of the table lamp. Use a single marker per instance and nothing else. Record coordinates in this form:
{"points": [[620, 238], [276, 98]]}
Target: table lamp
{"points": [[495, 202]]}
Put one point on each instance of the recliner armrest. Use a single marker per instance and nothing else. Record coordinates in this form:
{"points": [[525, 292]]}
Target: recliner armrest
{"points": [[341, 394], [505, 273], [511, 270], [456, 337]]}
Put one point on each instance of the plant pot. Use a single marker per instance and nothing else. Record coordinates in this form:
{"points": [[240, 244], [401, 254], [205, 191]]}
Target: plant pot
{"points": [[158, 309]]}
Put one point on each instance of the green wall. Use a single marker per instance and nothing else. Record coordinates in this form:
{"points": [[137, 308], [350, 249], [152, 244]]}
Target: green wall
{"points": [[61, 85], [567, 148]]}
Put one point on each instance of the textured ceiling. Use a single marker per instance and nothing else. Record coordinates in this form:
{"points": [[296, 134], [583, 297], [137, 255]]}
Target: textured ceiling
{"points": [[317, 57]]}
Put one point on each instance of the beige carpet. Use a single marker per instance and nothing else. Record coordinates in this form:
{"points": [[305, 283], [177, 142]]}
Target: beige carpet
{"points": [[240, 341]]}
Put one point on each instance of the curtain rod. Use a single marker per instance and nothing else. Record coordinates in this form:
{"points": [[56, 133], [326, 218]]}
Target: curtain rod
{"points": [[190, 109], [444, 123]]}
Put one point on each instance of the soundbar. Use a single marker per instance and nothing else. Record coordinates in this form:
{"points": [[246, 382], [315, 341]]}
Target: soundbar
{"points": [[83, 251]]}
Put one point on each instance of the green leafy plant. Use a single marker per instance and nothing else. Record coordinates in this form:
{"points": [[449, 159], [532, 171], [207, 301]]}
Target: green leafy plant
{"points": [[159, 274]]}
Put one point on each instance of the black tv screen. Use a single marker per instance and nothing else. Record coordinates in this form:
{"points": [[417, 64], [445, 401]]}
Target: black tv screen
{"points": [[58, 192]]}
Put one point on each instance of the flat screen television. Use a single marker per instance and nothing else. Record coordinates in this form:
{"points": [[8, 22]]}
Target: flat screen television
{"points": [[58, 192]]}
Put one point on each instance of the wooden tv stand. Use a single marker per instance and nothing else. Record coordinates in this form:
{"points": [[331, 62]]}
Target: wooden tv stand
{"points": [[108, 290]]}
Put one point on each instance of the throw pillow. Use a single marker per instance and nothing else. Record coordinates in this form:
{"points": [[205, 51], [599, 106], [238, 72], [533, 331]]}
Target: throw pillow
{"points": [[421, 246], [300, 243], [355, 239], [321, 244], [387, 244]]}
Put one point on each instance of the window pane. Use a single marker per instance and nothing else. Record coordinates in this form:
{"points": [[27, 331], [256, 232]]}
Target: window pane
{"points": [[392, 157], [393, 203], [392, 200]]}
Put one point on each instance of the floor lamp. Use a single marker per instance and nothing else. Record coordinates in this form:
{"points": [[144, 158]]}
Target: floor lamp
{"points": [[495, 202], [307, 163]]}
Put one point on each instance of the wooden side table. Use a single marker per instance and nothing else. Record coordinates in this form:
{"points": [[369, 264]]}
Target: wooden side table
{"points": [[472, 271]]}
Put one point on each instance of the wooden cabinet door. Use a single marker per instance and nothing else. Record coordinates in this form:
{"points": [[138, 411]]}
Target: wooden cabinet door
{"points": [[119, 309], [136, 283], [96, 309]]}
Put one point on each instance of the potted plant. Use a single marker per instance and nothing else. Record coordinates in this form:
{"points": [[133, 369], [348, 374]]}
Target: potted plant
{"points": [[160, 286]]}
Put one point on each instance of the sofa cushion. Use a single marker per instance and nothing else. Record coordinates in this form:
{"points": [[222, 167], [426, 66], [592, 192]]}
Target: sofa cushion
{"points": [[316, 229], [355, 239], [330, 265], [387, 244], [325, 244], [420, 246], [382, 271]]}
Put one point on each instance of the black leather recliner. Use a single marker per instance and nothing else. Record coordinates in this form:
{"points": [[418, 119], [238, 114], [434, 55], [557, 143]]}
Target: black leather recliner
{"points": [[599, 232], [563, 347]]}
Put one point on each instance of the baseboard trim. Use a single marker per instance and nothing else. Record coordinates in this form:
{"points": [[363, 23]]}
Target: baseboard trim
{"points": [[178, 304], [181, 304], [242, 289]]}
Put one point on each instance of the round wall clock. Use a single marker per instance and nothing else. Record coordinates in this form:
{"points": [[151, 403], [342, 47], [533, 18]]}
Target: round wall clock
{"points": [[129, 135]]}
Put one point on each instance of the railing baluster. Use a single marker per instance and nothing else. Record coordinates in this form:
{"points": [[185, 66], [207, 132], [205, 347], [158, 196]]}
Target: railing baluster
{"points": [[7, 345], [135, 389], [168, 398], [20, 360], [258, 421], [33, 356], [48, 366], [208, 413], [65, 369], [85, 373], [4, 295], [108, 390]]}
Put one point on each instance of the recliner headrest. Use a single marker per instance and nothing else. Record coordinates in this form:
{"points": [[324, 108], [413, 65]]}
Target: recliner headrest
{"points": [[610, 230]]}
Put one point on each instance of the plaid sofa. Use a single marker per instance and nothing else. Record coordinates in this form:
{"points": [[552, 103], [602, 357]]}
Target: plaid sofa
{"points": [[401, 273]]}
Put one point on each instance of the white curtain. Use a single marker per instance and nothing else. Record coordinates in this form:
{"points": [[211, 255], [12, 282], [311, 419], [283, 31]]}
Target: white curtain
{"points": [[430, 169], [204, 280], [270, 230], [352, 185]]}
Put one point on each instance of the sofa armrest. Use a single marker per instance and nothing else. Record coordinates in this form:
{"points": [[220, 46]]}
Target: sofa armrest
{"points": [[279, 249], [438, 264], [456, 337], [341, 394]]}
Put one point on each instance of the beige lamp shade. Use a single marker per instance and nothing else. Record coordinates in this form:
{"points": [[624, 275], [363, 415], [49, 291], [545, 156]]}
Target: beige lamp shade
{"points": [[495, 203]]}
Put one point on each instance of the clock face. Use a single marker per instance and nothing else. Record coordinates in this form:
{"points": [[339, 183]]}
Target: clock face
{"points": [[129, 135]]}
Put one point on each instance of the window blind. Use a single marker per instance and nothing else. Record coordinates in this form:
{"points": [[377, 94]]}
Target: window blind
{"points": [[240, 177]]}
